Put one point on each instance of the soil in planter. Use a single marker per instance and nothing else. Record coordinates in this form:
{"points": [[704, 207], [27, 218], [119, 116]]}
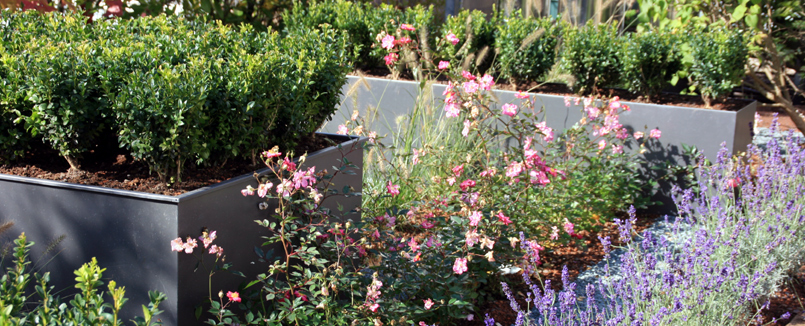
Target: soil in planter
{"points": [[113, 168]]}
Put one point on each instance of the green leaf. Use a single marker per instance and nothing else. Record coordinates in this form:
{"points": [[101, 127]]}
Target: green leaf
{"points": [[738, 13]]}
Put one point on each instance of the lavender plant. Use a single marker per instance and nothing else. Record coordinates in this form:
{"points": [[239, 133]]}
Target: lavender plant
{"points": [[730, 249]]}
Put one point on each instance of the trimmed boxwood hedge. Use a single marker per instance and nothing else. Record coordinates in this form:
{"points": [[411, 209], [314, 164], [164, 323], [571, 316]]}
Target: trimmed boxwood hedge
{"points": [[169, 90], [523, 49]]}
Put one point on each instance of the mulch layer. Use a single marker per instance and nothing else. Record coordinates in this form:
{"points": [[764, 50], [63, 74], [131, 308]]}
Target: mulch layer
{"points": [[113, 168]]}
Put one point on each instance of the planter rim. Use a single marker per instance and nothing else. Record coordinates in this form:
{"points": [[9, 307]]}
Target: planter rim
{"points": [[165, 198], [748, 102]]}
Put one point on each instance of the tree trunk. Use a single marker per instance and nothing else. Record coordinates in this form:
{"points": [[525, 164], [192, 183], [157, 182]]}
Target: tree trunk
{"points": [[74, 165]]}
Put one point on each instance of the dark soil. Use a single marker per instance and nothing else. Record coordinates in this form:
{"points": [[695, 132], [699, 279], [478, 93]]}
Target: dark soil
{"points": [[113, 168], [790, 298], [731, 104]]}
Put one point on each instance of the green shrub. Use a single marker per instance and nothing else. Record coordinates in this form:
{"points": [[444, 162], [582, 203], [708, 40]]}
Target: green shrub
{"points": [[526, 46], [67, 110], [89, 307], [649, 61], [160, 115], [381, 19], [172, 90], [719, 56], [591, 56], [341, 15], [476, 40], [13, 138]]}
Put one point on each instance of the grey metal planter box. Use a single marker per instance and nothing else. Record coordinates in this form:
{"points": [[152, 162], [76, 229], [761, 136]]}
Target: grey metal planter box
{"points": [[385, 100], [130, 232]]}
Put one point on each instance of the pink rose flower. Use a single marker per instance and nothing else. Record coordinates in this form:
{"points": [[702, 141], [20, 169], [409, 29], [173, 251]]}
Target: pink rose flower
{"points": [[509, 109], [388, 42], [467, 184], [393, 189], [467, 75], [452, 38], [458, 170], [444, 65], [487, 82], [407, 27], [428, 304], [521, 95], [460, 266], [342, 130], [466, 131], [638, 134], [615, 103], [602, 144], [233, 296], [655, 133], [569, 227], [391, 58], [732, 183], [475, 217], [470, 87], [617, 149], [452, 110], [504, 219]]}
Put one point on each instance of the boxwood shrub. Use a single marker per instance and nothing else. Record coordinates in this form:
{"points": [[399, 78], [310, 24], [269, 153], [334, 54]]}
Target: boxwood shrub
{"points": [[171, 90], [718, 59], [650, 59], [526, 46], [340, 15], [591, 55], [477, 37]]}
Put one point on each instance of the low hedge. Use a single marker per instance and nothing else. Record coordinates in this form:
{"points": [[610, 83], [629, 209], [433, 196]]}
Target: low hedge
{"points": [[171, 90], [592, 56], [524, 49], [526, 46]]}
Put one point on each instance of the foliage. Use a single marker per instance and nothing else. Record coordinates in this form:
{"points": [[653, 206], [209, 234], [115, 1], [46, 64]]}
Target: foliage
{"points": [[591, 56], [732, 246], [342, 16], [314, 254], [172, 90], [650, 60], [526, 47], [88, 307], [441, 198], [379, 20], [718, 59], [475, 51]]}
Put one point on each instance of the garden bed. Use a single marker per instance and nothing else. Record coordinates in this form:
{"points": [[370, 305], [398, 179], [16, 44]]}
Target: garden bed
{"points": [[115, 168], [130, 232]]}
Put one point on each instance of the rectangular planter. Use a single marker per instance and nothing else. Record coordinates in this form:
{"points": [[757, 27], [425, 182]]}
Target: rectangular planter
{"points": [[130, 232], [385, 100]]}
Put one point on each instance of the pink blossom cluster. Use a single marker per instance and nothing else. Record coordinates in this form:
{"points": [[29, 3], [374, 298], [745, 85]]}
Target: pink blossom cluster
{"points": [[471, 85], [206, 239], [373, 294]]}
